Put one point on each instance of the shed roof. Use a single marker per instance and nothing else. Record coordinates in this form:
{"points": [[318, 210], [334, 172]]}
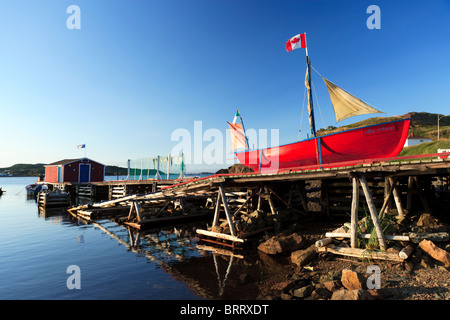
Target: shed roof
{"points": [[66, 161]]}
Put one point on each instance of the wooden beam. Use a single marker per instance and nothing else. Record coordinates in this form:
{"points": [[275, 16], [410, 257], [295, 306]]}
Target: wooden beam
{"points": [[242, 206], [365, 236], [396, 193], [227, 210], [219, 235], [354, 213], [217, 210], [373, 213], [361, 253]]}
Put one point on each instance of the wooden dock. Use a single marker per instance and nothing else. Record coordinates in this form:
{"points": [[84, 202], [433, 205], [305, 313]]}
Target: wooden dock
{"points": [[53, 199], [109, 190], [401, 184]]}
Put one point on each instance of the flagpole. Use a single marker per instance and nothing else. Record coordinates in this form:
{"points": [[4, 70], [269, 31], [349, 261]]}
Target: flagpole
{"points": [[310, 102], [243, 128]]}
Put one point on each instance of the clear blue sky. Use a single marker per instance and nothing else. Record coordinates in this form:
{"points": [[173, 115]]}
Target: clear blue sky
{"points": [[139, 69]]}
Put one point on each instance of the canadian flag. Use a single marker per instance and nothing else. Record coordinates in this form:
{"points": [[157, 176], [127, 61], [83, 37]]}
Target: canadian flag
{"points": [[298, 41]]}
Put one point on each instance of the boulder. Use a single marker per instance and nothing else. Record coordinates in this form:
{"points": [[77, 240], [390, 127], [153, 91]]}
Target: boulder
{"points": [[357, 294], [271, 246], [303, 292], [428, 222], [351, 280], [332, 286], [282, 244], [235, 168], [321, 293]]}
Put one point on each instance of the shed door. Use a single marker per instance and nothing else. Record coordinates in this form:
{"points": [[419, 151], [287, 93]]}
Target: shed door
{"points": [[59, 174], [85, 173]]}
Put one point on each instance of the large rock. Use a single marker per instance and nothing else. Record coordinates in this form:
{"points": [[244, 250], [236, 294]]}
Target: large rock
{"points": [[428, 223], [303, 257], [235, 168], [303, 292], [351, 280], [332, 285], [357, 294], [282, 244], [271, 246]]}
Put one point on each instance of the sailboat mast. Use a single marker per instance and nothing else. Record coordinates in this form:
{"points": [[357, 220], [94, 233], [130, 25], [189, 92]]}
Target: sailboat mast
{"points": [[312, 123]]}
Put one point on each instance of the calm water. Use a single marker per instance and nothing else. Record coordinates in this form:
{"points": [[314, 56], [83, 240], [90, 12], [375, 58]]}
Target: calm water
{"points": [[37, 247]]}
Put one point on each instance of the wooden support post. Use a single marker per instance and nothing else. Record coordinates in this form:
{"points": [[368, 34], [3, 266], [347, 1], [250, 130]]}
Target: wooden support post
{"points": [[398, 201], [269, 199], [301, 192], [134, 208], [324, 197], [354, 213], [409, 194], [387, 193], [421, 194], [249, 206], [182, 205], [373, 213], [387, 197], [259, 199], [227, 211], [217, 211]]}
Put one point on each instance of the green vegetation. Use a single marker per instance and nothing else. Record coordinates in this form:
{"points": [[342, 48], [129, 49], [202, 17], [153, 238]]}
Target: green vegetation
{"points": [[25, 170], [425, 148]]}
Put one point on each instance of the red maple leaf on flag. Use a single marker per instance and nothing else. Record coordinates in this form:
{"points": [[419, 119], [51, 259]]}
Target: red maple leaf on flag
{"points": [[295, 40]]}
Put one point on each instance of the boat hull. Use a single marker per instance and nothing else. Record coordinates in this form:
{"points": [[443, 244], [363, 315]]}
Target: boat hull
{"points": [[384, 140]]}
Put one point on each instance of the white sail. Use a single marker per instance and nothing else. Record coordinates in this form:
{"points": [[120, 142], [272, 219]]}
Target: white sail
{"points": [[346, 105]]}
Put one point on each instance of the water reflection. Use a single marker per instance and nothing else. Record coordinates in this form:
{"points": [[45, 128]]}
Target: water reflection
{"points": [[209, 271]]}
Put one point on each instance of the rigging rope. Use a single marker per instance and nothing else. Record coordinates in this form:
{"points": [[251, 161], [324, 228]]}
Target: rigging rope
{"points": [[387, 113], [301, 119]]}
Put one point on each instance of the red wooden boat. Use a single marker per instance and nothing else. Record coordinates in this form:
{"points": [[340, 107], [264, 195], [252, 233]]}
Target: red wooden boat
{"points": [[383, 140]]}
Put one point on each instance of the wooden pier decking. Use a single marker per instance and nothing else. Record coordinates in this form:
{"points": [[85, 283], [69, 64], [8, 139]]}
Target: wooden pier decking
{"points": [[391, 184]]}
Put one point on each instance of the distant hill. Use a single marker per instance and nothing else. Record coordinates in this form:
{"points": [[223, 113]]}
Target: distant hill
{"points": [[35, 170], [25, 170], [422, 124]]}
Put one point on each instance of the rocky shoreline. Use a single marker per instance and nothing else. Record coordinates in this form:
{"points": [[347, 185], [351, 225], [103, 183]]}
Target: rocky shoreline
{"points": [[307, 274]]}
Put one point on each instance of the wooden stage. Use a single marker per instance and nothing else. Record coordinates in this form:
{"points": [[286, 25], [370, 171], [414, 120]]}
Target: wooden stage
{"points": [[403, 184]]}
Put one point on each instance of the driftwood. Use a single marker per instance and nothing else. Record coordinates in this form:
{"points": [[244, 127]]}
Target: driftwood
{"points": [[435, 252], [361, 253], [340, 235], [303, 257], [405, 252], [323, 242], [219, 235], [436, 237]]}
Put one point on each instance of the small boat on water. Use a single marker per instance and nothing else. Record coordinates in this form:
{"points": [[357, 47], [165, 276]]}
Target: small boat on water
{"points": [[30, 189], [1, 191], [384, 140]]}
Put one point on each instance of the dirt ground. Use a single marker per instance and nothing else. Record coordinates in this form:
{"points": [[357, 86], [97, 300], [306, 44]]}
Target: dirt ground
{"points": [[420, 277]]}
